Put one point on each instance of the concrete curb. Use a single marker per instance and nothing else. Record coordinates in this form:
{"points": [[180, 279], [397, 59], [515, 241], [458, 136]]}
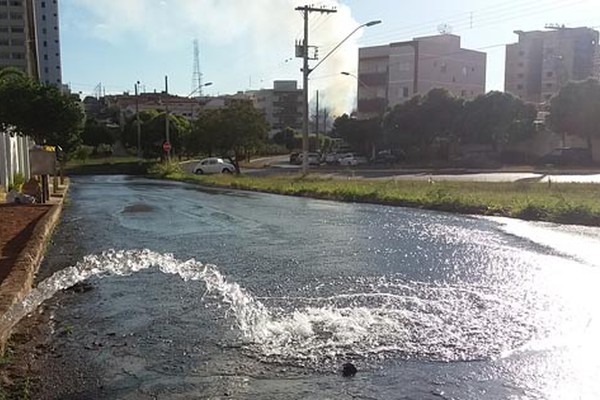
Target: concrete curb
{"points": [[20, 279]]}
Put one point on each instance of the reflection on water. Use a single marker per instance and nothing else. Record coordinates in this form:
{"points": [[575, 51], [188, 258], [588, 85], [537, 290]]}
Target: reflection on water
{"points": [[428, 305]]}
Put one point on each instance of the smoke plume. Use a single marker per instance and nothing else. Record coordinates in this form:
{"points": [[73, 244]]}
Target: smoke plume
{"points": [[268, 29]]}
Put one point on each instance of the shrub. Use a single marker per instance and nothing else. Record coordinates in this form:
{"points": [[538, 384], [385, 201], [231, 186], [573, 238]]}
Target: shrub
{"points": [[165, 169], [17, 182]]}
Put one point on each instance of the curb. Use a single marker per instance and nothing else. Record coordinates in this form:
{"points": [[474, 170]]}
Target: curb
{"points": [[19, 281]]}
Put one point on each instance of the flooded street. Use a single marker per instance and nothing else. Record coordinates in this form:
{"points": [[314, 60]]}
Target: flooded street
{"points": [[205, 293]]}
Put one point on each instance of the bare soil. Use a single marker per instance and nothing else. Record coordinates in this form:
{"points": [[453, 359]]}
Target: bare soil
{"points": [[17, 223]]}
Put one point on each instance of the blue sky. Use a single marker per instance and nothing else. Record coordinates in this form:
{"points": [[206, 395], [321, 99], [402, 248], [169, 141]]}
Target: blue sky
{"points": [[246, 44]]}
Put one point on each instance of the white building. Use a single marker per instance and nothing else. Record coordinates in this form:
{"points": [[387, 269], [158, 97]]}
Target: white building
{"points": [[48, 42]]}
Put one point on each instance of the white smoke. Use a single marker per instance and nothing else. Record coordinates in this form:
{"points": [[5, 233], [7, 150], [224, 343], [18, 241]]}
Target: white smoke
{"points": [[269, 27]]}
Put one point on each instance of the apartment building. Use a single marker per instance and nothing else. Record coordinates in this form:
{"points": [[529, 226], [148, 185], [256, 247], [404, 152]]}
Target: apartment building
{"points": [[391, 74], [281, 105], [14, 34], [30, 39], [542, 62], [48, 41]]}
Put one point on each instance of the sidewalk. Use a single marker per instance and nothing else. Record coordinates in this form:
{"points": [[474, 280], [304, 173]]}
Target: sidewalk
{"points": [[24, 232]]}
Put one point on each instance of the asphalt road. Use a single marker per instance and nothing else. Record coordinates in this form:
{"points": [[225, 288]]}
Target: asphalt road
{"points": [[280, 165]]}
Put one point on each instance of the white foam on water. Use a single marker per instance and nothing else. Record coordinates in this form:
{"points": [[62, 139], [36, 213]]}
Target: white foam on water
{"points": [[418, 320]]}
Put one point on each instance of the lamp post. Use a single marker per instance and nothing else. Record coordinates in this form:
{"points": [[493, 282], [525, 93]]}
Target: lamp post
{"points": [[306, 70], [137, 120], [199, 88]]}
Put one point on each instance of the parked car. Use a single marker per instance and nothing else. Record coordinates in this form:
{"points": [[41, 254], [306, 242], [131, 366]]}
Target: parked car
{"points": [[352, 160], [213, 165], [314, 159], [567, 156], [387, 157], [295, 158], [332, 158]]}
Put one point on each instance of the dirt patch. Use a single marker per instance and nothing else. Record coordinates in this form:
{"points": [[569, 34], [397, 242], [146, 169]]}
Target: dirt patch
{"points": [[17, 223]]}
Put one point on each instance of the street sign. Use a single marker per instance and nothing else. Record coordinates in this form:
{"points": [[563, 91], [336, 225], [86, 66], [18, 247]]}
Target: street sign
{"points": [[166, 146]]}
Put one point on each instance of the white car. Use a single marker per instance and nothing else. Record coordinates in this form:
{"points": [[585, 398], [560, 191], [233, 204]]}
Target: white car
{"points": [[213, 165], [352, 159]]}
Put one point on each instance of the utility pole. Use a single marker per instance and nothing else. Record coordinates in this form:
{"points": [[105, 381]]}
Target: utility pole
{"points": [[137, 120], [167, 125], [317, 122], [306, 10]]}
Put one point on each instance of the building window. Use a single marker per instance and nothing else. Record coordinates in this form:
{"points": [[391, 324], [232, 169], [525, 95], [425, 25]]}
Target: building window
{"points": [[549, 85], [3, 16], [521, 64], [405, 92], [519, 87], [16, 16], [17, 42], [4, 42], [521, 53], [18, 56], [4, 29], [463, 93], [16, 29], [520, 76], [549, 74], [43, 4], [46, 58], [45, 44], [16, 3], [444, 68], [453, 79]]}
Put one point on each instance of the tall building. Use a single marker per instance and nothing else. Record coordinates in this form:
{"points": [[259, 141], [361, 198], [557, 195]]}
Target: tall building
{"points": [[48, 41], [29, 38], [544, 61], [281, 105], [391, 74]]}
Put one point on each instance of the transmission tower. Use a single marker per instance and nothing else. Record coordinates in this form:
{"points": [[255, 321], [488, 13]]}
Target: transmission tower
{"points": [[197, 74]]}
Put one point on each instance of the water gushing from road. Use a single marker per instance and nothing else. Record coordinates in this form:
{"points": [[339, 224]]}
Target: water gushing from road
{"points": [[381, 317]]}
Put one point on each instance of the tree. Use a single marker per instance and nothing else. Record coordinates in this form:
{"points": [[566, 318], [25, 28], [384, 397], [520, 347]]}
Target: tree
{"points": [[41, 112], [153, 132], [94, 133], [286, 137], [361, 134], [496, 119], [576, 110], [415, 124], [234, 132]]}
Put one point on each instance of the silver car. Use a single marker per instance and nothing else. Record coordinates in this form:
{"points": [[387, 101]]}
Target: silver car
{"points": [[213, 165]]}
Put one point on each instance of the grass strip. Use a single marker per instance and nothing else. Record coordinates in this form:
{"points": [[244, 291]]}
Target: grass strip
{"points": [[566, 203]]}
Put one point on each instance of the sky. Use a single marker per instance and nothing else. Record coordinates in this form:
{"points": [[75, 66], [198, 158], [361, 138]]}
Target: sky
{"points": [[247, 44]]}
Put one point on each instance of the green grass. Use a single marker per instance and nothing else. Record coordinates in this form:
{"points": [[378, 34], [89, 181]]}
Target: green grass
{"points": [[570, 203]]}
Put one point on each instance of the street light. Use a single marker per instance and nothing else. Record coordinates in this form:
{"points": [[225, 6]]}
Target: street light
{"points": [[137, 120], [199, 88], [306, 70], [357, 79]]}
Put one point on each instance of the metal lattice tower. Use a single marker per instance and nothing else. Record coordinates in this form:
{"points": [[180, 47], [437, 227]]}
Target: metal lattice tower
{"points": [[197, 74]]}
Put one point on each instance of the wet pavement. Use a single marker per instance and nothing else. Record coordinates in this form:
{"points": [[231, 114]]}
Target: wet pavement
{"points": [[427, 305]]}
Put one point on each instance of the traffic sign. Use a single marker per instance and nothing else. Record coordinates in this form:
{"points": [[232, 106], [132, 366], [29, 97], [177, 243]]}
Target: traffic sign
{"points": [[166, 146]]}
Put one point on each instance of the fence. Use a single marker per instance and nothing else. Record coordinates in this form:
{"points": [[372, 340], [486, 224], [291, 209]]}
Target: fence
{"points": [[14, 157]]}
